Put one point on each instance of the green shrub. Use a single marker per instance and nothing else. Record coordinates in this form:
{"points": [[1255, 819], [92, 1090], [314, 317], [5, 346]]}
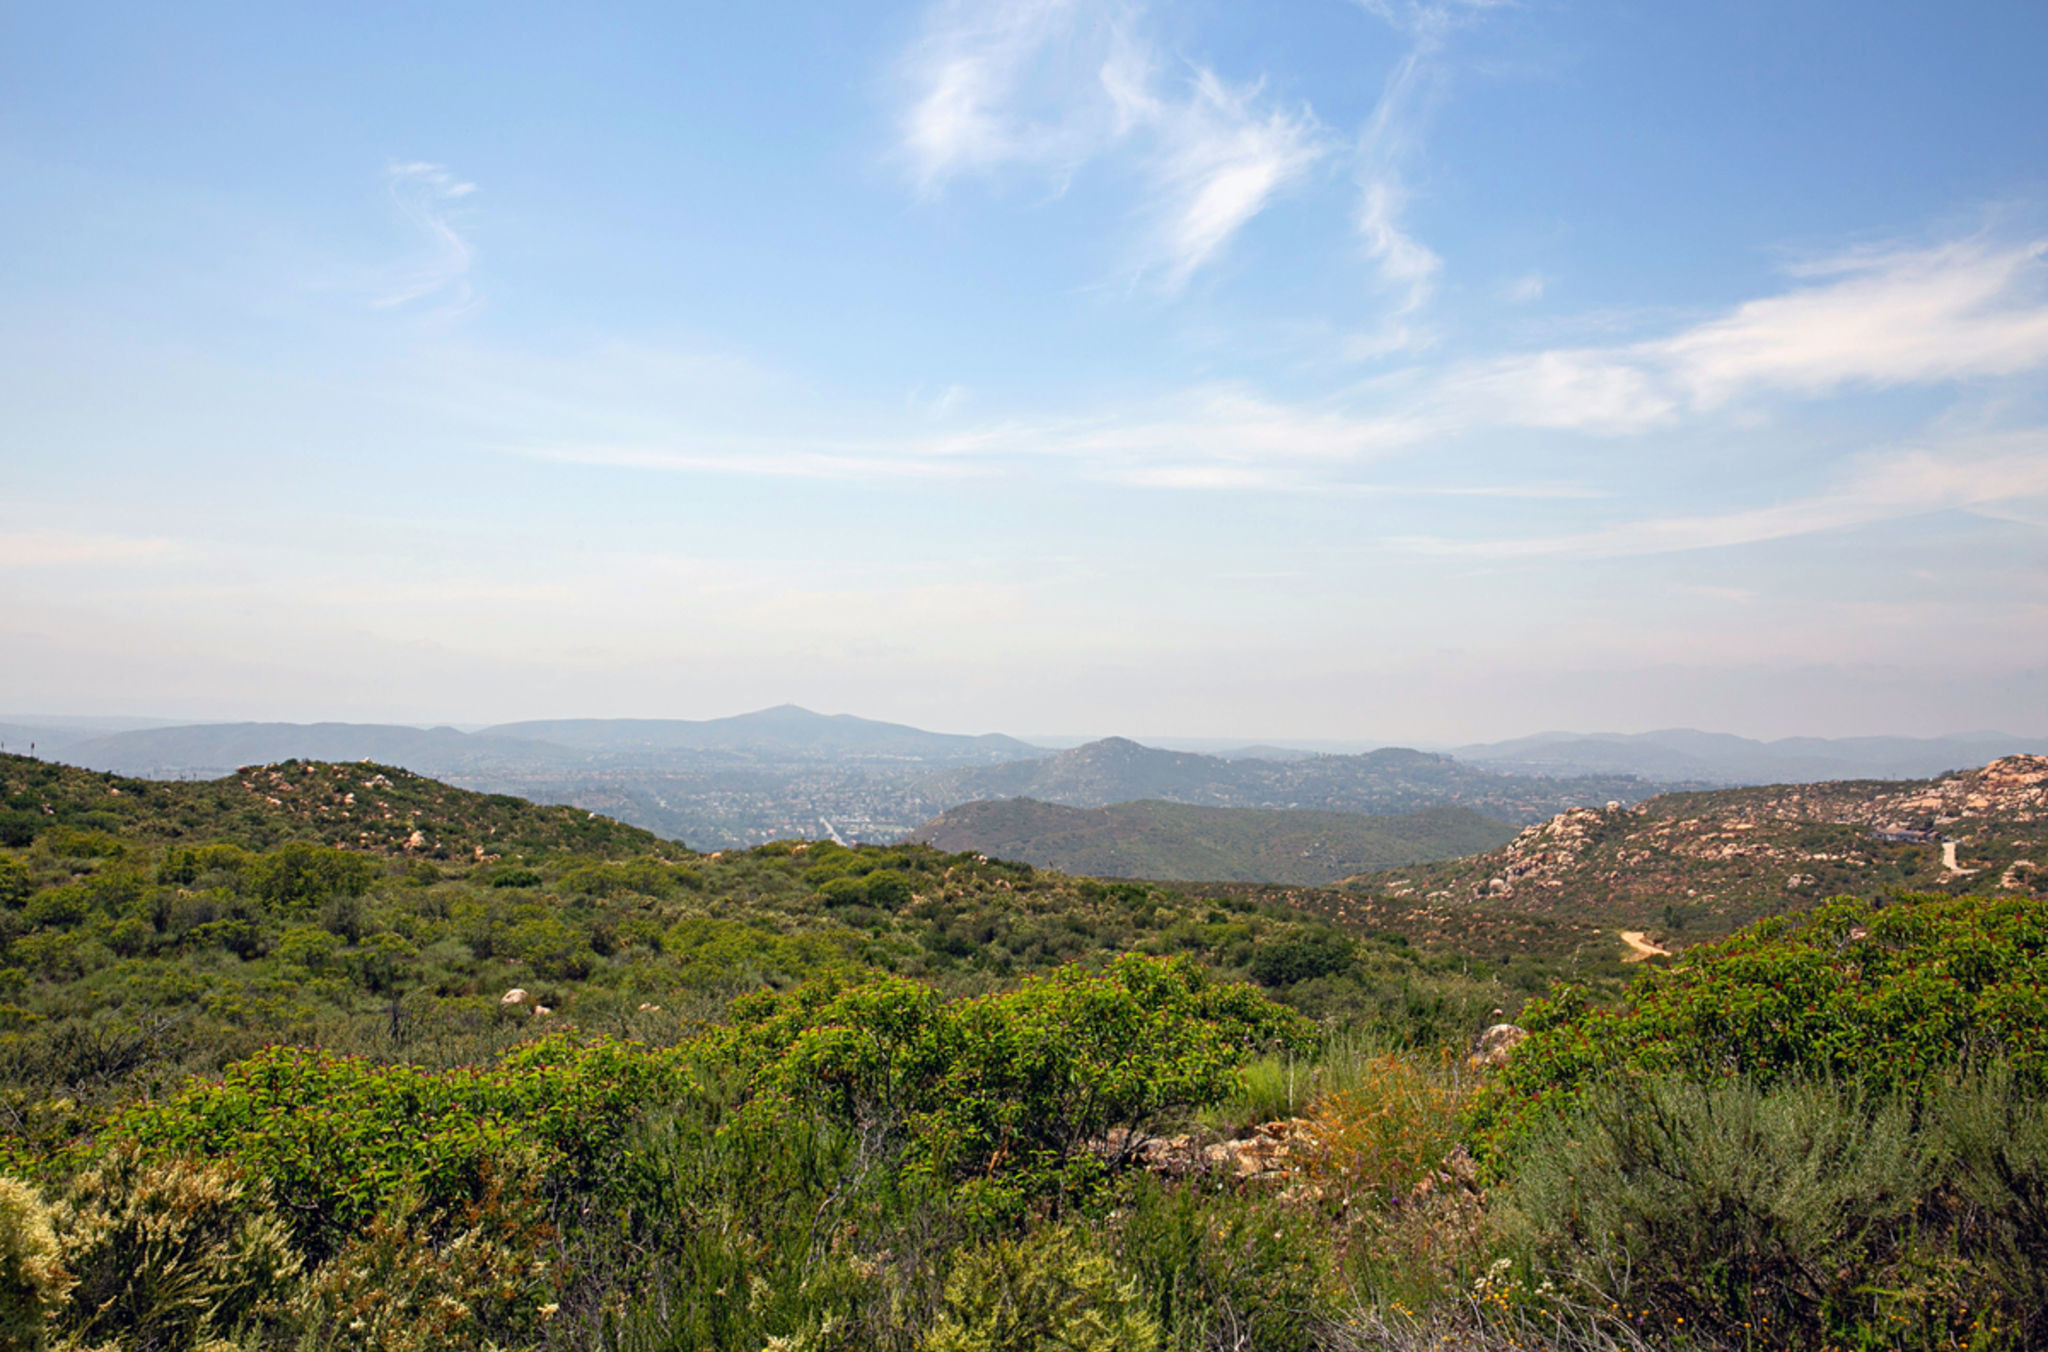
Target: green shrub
{"points": [[378, 964], [552, 948], [404, 1284], [1885, 995], [1046, 1292], [1290, 958], [1004, 1093], [337, 1139], [15, 881], [168, 1252], [516, 877], [59, 907], [1223, 1270], [1994, 1136], [297, 877], [182, 866], [634, 877], [887, 888], [308, 946], [841, 890], [68, 842], [33, 1279], [1730, 1209]]}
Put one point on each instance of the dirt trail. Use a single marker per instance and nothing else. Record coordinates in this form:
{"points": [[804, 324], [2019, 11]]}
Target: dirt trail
{"points": [[1640, 947]]}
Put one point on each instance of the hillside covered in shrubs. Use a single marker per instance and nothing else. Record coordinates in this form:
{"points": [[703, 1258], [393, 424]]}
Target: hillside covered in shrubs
{"points": [[534, 1080]]}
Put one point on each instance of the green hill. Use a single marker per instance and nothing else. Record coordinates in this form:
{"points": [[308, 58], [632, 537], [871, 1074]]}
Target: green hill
{"points": [[1389, 780], [149, 929], [353, 805], [1685, 866], [1182, 842]]}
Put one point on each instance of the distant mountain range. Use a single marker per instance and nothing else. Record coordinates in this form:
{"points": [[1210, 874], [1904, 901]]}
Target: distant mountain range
{"points": [[778, 736], [788, 772], [1391, 780], [784, 733], [1682, 755], [1180, 842]]}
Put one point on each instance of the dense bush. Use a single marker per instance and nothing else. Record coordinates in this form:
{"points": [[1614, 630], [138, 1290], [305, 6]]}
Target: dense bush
{"points": [[1883, 995], [1003, 1092], [33, 1278], [1806, 1213], [1046, 1292], [168, 1252], [1222, 1270]]}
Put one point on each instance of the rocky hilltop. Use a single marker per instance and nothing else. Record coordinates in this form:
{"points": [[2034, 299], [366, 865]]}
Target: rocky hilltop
{"points": [[1685, 865]]}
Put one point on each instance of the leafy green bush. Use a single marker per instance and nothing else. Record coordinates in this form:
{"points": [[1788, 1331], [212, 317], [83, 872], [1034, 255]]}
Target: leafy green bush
{"points": [[887, 888], [1885, 995], [552, 948], [1045, 1292], [15, 881], [634, 877], [1300, 957], [181, 866], [336, 1139], [1004, 1092], [297, 877], [70, 843], [516, 877]]}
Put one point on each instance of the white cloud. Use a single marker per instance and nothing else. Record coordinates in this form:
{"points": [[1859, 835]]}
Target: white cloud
{"points": [[1892, 318], [974, 108], [1387, 144], [1222, 162], [1052, 84], [426, 195], [1913, 482], [1955, 311], [1406, 265]]}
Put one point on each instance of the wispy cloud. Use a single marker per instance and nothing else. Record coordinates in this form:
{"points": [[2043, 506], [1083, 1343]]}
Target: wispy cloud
{"points": [[427, 195], [1912, 482], [1878, 318], [1970, 310], [1387, 145], [1221, 160], [1904, 316], [1052, 84], [988, 90], [55, 549]]}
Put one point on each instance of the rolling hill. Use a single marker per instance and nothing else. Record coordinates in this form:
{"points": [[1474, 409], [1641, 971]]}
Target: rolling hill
{"points": [[380, 809], [1688, 865], [1180, 842], [784, 733], [1389, 781]]}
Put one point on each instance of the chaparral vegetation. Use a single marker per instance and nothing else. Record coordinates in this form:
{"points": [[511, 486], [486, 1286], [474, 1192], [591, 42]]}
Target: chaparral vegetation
{"points": [[334, 1057]]}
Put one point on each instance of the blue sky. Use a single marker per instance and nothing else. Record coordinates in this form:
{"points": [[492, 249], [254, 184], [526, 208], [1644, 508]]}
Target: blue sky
{"points": [[1344, 370]]}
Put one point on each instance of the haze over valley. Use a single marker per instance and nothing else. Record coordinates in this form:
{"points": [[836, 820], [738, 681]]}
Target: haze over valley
{"points": [[1024, 676]]}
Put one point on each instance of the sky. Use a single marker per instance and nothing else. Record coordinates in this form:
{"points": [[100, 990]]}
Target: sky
{"points": [[1338, 369]]}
